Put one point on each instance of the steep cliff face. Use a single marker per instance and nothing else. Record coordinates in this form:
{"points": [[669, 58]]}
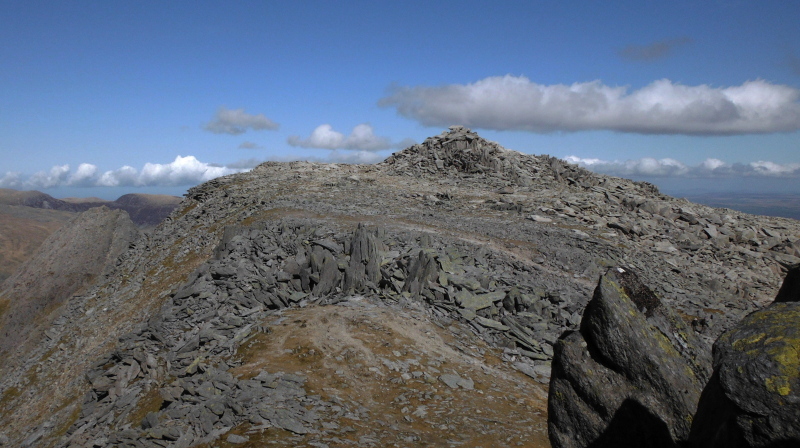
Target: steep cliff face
{"points": [[179, 346], [71, 259]]}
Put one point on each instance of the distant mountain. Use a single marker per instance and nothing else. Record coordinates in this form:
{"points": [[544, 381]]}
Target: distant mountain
{"points": [[37, 199], [22, 231], [27, 218], [145, 210], [78, 252]]}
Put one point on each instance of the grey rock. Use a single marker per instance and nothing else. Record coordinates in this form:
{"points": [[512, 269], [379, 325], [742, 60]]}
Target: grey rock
{"points": [[237, 439], [631, 376], [455, 381], [285, 419], [753, 397]]}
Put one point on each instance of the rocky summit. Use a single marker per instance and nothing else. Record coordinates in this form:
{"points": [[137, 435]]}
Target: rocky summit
{"points": [[423, 301]]}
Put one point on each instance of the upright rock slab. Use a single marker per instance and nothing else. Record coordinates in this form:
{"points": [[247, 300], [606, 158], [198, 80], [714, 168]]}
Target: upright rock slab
{"points": [[753, 397], [631, 376]]}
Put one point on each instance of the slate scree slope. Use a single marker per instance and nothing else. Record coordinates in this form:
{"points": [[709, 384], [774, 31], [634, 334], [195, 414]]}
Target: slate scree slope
{"points": [[498, 251]]}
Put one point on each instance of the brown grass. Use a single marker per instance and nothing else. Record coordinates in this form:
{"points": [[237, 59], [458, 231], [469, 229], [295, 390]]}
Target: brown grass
{"points": [[341, 350], [151, 401]]}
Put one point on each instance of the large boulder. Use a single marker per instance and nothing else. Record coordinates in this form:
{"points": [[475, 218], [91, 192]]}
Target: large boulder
{"points": [[753, 397], [631, 376]]}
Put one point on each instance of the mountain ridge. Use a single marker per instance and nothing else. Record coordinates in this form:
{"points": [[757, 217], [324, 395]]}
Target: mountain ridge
{"points": [[505, 246]]}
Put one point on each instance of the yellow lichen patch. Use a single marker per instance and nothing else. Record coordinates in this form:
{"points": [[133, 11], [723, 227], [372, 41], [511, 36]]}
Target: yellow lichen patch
{"points": [[778, 384], [779, 343], [742, 344]]}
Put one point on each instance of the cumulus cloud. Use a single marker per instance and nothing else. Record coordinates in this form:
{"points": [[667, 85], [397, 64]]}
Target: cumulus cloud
{"points": [[709, 168], [181, 171], [362, 138], [10, 180], [57, 176], [662, 107], [237, 121], [84, 176], [653, 51]]}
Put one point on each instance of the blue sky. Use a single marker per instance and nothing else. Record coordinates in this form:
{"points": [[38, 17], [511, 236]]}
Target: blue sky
{"points": [[103, 98]]}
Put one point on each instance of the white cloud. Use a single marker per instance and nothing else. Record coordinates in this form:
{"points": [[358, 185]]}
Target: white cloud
{"points": [[181, 171], [662, 107], [84, 176], [237, 121], [57, 176], [709, 168], [773, 169], [125, 176], [362, 138], [10, 180]]}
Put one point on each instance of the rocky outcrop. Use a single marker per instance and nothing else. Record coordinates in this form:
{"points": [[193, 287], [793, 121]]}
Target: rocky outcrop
{"points": [[183, 353], [753, 397], [69, 260], [631, 376]]}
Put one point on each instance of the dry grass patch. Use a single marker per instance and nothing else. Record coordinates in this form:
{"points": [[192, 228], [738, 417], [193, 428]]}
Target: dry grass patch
{"points": [[389, 362]]}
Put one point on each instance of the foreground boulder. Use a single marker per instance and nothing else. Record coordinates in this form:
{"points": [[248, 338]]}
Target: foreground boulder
{"points": [[753, 397], [631, 376]]}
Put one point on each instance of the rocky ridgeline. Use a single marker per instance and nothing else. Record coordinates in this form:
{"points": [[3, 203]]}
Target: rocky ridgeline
{"points": [[182, 354], [457, 228]]}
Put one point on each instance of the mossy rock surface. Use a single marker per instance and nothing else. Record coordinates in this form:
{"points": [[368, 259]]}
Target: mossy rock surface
{"points": [[631, 376], [753, 399]]}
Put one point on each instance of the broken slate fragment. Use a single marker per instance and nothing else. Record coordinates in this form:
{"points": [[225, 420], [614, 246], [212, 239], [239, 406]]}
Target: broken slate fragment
{"points": [[455, 381]]}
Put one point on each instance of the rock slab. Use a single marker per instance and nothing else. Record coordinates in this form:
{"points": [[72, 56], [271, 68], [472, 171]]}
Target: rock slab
{"points": [[631, 376]]}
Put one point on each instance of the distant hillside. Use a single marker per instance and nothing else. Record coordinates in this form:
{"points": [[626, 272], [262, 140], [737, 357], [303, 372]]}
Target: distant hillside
{"points": [[36, 199], [27, 218], [22, 231], [145, 210]]}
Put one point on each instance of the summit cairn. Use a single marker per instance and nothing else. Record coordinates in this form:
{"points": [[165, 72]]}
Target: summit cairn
{"points": [[460, 151], [457, 149]]}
